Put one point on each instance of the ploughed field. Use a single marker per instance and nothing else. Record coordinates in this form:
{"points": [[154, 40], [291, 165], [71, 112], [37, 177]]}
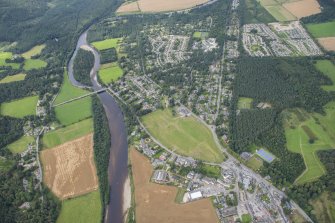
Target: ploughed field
{"points": [[156, 203], [185, 135]]}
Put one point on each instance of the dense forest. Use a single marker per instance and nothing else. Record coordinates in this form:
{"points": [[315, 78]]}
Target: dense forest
{"points": [[82, 66]]}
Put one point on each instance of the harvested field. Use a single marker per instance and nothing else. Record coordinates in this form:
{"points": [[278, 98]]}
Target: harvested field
{"points": [[159, 5], [69, 169], [328, 43], [156, 203], [303, 8]]}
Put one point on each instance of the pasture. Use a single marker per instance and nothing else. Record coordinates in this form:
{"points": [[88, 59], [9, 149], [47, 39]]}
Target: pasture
{"points": [[21, 144], [69, 169], [161, 199], [327, 68], [13, 78], [36, 50], [20, 108], [8, 55], [158, 5], [326, 29], [110, 73], [107, 43], [68, 133], [76, 110], [84, 209], [244, 103], [186, 136], [30, 64]]}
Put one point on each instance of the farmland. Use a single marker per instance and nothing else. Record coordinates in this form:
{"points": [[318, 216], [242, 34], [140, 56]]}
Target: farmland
{"points": [[318, 30], [244, 103], [276, 9], [302, 8], [20, 108], [160, 200], [107, 44], [110, 73], [68, 133], [74, 111], [13, 78], [158, 5], [69, 169], [327, 42], [328, 68], [36, 50], [84, 209], [30, 64], [21, 144], [186, 136]]}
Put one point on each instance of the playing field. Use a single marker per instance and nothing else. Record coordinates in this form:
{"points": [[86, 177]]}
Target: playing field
{"points": [[328, 68], [255, 162], [187, 136], [244, 103], [30, 64], [69, 169], [320, 136], [318, 30], [76, 110], [68, 133], [20, 108], [36, 50], [13, 78], [158, 5], [107, 43], [21, 144], [110, 73], [160, 199], [83, 209]]}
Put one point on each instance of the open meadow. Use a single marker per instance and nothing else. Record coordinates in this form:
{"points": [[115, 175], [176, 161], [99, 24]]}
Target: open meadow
{"points": [[68, 133], [20, 108], [30, 64], [76, 110], [328, 68], [187, 136], [36, 50], [326, 29], [107, 43], [21, 144], [158, 5], [5, 164], [160, 199], [110, 73], [84, 209], [8, 55], [13, 78], [69, 169]]}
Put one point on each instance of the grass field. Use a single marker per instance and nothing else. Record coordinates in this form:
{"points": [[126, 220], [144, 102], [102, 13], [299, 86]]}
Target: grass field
{"points": [[318, 30], [74, 111], [255, 163], [200, 35], [7, 55], [299, 141], [21, 144], [12, 78], [83, 209], [107, 44], [36, 50], [30, 64], [20, 108], [5, 164], [324, 208], [244, 103], [280, 13], [256, 13], [328, 68], [187, 136], [110, 73], [68, 133]]}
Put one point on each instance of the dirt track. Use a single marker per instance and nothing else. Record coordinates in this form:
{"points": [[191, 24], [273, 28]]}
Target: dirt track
{"points": [[155, 203], [69, 169]]}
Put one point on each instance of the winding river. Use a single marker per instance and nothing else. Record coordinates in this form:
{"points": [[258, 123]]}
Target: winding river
{"points": [[118, 160]]}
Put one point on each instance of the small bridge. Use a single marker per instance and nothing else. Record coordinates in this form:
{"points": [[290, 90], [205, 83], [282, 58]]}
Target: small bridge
{"points": [[80, 97]]}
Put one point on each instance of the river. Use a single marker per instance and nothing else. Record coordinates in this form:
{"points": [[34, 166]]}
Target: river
{"points": [[118, 160]]}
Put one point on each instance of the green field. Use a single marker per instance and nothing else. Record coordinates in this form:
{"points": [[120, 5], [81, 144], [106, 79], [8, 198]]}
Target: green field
{"points": [[244, 103], [5, 164], [107, 44], [30, 64], [110, 73], [299, 140], [255, 162], [36, 50], [275, 8], [21, 144], [256, 13], [200, 35], [12, 78], [328, 68], [187, 136], [20, 108], [83, 209], [7, 55], [68, 133], [76, 110], [319, 30]]}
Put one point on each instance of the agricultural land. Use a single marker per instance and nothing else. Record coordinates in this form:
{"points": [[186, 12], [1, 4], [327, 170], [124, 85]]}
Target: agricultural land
{"points": [[325, 33], [20, 108], [110, 72], [107, 44], [13, 78], [21, 144]]}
